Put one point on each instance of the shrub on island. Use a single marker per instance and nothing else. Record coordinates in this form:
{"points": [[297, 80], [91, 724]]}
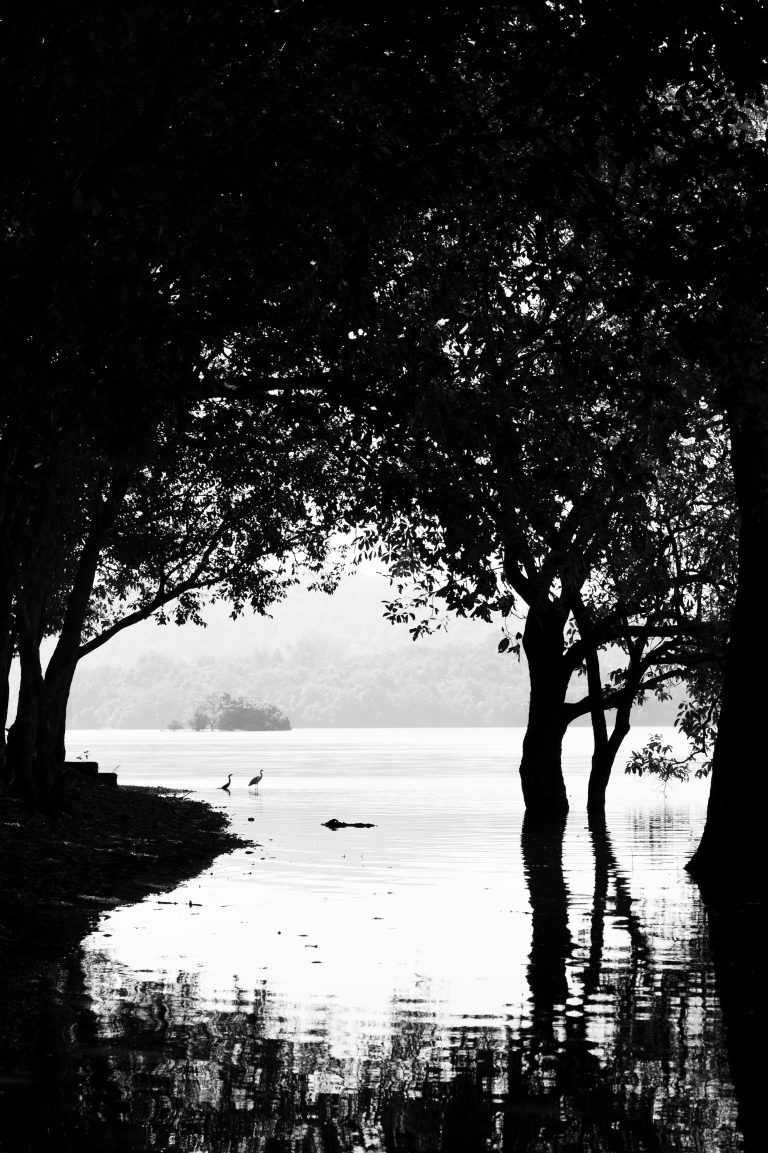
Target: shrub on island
{"points": [[251, 717], [228, 714]]}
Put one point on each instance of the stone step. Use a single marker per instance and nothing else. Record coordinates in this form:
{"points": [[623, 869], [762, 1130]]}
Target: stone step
{"points": [[85, 768], [90, 769]]}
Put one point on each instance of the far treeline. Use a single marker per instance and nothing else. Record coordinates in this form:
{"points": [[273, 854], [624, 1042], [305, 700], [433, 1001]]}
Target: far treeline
{"points": [[319, 685], [479, 290]]}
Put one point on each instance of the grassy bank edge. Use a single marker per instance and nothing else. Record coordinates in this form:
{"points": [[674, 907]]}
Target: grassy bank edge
{"points": [[108, 846]]}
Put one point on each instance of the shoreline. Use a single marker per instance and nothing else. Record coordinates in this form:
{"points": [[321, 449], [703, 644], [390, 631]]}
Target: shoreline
{"points": [[58, 874]]}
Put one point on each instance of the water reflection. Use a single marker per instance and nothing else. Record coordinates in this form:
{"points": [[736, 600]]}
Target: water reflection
{"points": [[609, 1062], [450, 979], [737, 932], [616, 1049]]}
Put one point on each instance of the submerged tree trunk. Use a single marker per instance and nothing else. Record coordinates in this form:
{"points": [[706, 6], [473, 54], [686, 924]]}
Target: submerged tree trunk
{"points": [[734, 840], [605, 749], [541, 767], [607, 745], [603, 760], [602, 757]]}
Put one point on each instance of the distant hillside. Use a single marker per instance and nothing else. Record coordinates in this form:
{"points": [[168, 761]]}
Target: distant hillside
{"points": [[319, 686]]}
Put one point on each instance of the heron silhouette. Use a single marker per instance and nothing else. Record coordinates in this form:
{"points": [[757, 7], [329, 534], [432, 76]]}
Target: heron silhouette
{"points": [[226, 787], [255, 780]]}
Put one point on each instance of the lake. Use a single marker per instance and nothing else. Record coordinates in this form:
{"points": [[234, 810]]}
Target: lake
{"points": [[449, 979]]}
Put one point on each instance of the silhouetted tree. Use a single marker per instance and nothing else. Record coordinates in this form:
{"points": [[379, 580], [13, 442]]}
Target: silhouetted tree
{"points": [[510, 493], [205, 203], [637, 144]]}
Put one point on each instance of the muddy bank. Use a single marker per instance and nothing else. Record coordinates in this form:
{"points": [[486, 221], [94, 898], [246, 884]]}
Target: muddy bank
{"points": [[57, 874]]}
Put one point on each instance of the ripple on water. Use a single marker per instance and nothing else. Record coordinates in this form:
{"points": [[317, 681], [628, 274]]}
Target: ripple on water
{"points": [[421, 973]]}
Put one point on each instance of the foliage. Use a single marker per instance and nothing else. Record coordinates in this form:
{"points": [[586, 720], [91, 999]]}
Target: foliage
{"points": [[234, 504], [656, 759], [227, 713], [558, 439], [251, 716], [697, 718], [200, 720], [320, 685], [512, 260], [557, 482], [196, 204]]}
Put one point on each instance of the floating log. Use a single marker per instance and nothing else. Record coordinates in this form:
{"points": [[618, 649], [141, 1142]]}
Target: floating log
{"points": [[334, 824]]}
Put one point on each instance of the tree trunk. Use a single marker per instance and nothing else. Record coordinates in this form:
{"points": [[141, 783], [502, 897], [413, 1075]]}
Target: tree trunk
{"points": [[606, 746], [29, 777], [6, 655], [606, 750], [602, 760], [35, 740], [36, 752], [52, 724], [541, 768], [733, 842], [36, 745], [32, 768]]}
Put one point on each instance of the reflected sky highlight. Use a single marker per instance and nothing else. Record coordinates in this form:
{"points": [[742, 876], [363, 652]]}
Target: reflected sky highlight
{"points": [[450, 979]]}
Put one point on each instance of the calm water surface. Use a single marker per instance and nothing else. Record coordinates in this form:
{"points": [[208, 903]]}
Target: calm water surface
{"points": [[450, 979]]}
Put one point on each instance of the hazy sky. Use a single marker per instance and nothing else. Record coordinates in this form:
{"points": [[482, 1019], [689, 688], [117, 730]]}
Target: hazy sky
{"points": [[351, 619]]}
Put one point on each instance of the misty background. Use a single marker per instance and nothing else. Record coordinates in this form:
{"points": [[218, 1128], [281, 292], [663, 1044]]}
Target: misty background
{"points": [[325, 661]]}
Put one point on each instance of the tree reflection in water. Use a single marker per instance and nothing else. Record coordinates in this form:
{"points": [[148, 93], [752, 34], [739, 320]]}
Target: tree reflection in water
{"points": [[606, 1064], [738, 926], [619, 1054]]}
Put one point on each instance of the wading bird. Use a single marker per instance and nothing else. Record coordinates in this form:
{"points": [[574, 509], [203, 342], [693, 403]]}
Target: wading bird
{"points": [[255, 780], [226, 787]]}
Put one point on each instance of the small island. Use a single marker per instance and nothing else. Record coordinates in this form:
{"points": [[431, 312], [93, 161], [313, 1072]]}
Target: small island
{"points": [[230, 714]]}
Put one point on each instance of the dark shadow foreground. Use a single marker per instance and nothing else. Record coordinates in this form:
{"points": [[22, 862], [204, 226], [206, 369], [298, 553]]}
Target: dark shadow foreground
{"points": [[57, 875], [738, 928]]}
